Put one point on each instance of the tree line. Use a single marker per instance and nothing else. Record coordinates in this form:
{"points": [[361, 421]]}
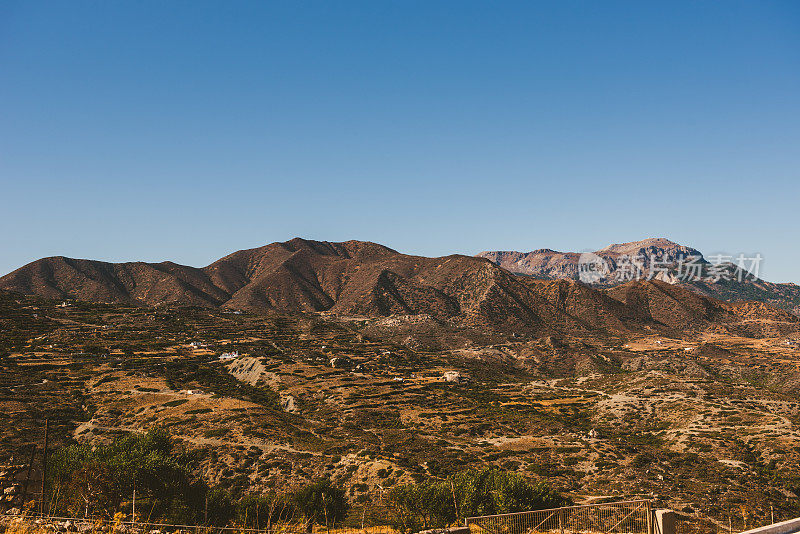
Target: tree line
{"points": [[101, 480]]}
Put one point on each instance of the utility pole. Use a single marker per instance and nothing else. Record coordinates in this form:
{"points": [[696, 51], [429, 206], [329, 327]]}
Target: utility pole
{"points": [[44, 463]]}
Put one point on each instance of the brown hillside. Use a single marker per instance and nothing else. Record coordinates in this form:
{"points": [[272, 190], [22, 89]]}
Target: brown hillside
{"points": [[682, 309], [95, 281], [356, 278]]}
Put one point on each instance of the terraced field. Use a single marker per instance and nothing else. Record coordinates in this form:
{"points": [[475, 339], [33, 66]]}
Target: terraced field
{"points": [[705, 424]]}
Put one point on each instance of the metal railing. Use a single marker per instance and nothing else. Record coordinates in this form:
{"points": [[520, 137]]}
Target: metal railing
{"points": [[625, 517]]}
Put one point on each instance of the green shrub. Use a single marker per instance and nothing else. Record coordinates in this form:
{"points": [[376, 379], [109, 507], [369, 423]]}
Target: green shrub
{"points": [[219, 508], [321, 502], [421, 506], [101, 477], [262, 510], [439, 503], [92, 348]]}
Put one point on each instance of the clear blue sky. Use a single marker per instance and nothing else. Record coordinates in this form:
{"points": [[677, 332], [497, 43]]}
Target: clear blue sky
{"points": [[187, 130]]}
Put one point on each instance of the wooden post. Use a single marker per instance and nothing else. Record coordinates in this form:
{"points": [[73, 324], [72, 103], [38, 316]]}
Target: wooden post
{"points": [[44, 463], [649, 513], [28, 475]]}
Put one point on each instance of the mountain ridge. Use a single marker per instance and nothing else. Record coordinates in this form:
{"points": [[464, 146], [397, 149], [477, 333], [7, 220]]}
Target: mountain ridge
{"points": [[359, 278]]}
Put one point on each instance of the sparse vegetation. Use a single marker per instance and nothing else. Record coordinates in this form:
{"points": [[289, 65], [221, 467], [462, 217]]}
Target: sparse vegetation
{"points": [[659, 420]]}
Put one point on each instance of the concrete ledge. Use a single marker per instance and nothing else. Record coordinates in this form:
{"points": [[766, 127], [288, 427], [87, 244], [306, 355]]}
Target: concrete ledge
{"points": [[784, 527], [666, 522]]}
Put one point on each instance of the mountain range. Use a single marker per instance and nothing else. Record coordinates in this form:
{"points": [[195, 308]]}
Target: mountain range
{"points": [[364, 279]]}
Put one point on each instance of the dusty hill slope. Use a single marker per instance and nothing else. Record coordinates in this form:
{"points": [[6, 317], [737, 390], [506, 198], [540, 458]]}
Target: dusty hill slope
{"points": [[96, 281], [368, 279], [680, 309], [350, 278], [288, 275]]}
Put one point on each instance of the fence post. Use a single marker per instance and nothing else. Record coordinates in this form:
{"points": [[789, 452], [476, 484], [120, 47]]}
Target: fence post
{"points": [[649, 508]]}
